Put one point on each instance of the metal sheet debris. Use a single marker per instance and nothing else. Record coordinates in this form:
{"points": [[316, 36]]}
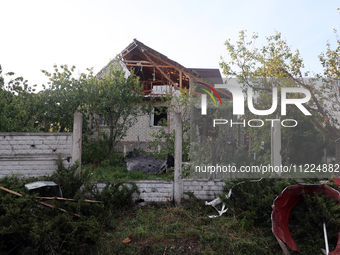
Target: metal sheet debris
{"points": [[39, 184], [288, 199], [55, 190]]}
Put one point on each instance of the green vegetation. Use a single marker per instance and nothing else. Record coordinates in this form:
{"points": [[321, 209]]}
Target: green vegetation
{"points": [[27, 227], [16, 102], [251, 202], [119, 100], [118, 227], [120, 173], [167, 140], [165, 229], [276, 64]]}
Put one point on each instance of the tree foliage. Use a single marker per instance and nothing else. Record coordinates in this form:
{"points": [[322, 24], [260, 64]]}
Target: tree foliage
{"points": [[276, 65], [16, 104], [65, 94], [277, 60], [118, 100], [166, 139]]}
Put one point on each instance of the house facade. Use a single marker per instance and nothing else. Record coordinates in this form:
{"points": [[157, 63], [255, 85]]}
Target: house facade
{"points": [[160, 76]]}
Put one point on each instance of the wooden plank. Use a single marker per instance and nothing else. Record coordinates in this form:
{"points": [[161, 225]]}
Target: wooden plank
{"points": [[143, 65], [43, 203], [61, 209], [11, 191], [180, 78], [68, 199]]}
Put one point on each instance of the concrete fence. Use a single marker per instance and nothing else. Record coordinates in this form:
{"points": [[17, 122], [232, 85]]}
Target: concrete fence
{"points": [[34, 154], [163, 191]]}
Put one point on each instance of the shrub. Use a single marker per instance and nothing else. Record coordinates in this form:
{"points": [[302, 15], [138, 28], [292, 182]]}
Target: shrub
{"points": [[27, 227], [96, 149]]}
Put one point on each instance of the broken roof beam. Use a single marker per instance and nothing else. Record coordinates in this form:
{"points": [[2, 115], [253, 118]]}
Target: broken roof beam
{"points": [[158, 68], [141, 63], [178, 68], [144, 65]]}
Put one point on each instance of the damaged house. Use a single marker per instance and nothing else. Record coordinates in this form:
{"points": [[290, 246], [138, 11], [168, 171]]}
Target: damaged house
{"points": [[159, 75]]}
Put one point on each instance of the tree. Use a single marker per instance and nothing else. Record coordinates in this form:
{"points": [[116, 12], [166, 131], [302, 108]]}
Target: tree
{"points": [[64, 96], [118, 100], [276, 60], [274, 64], [16, 105]]}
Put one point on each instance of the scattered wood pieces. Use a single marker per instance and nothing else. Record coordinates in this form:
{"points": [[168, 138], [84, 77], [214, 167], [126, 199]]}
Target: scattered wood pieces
{"points": [[51, 198]]}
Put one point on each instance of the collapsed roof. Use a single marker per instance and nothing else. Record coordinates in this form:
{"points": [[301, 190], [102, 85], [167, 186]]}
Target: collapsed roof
{"points": [[157, 72]]}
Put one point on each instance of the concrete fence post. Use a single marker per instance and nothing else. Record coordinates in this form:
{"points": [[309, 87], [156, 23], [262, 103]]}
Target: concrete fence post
{"points": [[77, 139], [178, 160], [177, 115]]}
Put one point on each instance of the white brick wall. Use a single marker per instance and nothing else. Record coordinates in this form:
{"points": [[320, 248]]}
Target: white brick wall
{"points": [[203, 189], [162, 191], [33, 154], [142, 129]]}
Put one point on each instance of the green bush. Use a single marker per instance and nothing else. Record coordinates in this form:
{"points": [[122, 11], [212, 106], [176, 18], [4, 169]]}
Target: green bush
{"points": [[27, 227], [306, 223], [95, 149], [252, 200]]}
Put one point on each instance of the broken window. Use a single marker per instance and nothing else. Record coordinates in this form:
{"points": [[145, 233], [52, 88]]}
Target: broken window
{"points": [[159, 116]]}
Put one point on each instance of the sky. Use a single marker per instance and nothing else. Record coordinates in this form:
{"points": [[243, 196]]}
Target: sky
{"points": [[35, 35]]}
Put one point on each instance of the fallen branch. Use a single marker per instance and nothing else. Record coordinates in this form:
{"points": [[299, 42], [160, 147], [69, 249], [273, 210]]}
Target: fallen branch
{"points": [[11, 191], [61, 209], [68, 199]]}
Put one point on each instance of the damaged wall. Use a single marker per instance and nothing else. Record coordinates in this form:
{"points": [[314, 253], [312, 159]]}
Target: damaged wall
{"points": [[33, 154], [162, 191]]}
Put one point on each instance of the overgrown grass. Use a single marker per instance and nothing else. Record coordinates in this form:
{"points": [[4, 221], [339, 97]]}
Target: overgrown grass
{"points": [[165, 229], [119, 172]]}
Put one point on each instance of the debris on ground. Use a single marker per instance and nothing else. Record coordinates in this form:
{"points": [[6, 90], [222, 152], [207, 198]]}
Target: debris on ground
{"points": [[45, 202], [218, 200], [139, 161], [286, 201], [46, 188]]}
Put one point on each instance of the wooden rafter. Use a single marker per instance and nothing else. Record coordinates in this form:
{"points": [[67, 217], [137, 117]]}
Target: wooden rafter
{"points": [[157, 67], [145, 65], [201, 78], [180, 78]]}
